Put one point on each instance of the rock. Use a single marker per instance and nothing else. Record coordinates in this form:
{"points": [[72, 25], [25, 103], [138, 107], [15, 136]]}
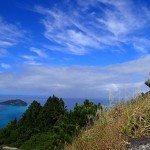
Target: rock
{"points": [[148, 82], [142, 143]]}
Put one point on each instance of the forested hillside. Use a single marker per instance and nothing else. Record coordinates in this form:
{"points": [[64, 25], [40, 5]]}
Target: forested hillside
{"points": [[49, 127]]}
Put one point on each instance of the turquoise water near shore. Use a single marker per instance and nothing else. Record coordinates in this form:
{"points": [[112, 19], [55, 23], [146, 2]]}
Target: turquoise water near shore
{"points": [[8, 113]]}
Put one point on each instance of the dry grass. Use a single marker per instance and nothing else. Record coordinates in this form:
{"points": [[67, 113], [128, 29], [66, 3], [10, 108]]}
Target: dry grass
{"points": [[116, 126]]}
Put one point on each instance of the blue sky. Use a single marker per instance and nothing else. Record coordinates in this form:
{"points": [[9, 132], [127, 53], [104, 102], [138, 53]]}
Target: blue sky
{"points": [[74, 48]]}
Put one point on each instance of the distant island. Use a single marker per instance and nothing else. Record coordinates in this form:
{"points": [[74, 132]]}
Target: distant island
{"points": [[15, 102]]}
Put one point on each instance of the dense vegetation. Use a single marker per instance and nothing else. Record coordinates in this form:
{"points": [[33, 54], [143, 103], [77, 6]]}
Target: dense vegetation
{"points": [[48, 127]]}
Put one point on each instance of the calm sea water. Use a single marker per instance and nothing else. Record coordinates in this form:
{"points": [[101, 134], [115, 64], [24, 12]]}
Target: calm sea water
{"points": [[8, 113]]}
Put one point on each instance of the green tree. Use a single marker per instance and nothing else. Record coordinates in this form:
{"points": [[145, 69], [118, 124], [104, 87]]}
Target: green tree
{"points": [[29, 118], [50, 113]]}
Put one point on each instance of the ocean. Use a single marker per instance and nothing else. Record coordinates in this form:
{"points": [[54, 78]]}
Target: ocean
{"points": [[8, 113]]}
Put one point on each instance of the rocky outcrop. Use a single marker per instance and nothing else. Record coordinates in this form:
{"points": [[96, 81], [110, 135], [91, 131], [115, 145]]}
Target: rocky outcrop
{"points": [[148, 82], [142, 143]]}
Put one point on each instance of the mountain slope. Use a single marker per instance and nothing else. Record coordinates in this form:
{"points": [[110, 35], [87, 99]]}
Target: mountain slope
{"points": [[117, 126]]}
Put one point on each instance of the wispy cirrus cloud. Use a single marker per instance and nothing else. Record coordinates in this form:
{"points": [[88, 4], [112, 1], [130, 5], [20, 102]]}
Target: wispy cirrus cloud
{"points": [[33, 59], [30, 59], [39, 52], [10, 34], [141, 44], [64, 31], [123, 18], [81, 29], [5, 66]]}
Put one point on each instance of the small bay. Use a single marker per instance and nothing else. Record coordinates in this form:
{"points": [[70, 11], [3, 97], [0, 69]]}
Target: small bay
{"points": [[8, 113]]}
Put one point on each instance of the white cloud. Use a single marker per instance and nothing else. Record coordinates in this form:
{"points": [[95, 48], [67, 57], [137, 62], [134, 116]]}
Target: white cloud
{"points": [[79, 30], [39, 52], [10, 34], [78, 81], [139, 66], [60, 28], [141, 44], [6, 44], [124, 18], [29, 59], [5, 66]]}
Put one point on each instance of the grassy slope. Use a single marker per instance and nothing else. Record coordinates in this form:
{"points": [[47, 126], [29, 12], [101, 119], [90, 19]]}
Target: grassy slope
{"points": [[116, 126]]}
